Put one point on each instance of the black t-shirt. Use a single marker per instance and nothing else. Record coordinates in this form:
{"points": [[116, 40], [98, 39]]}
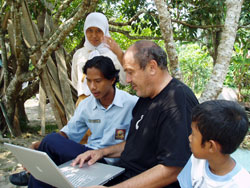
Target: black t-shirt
{"points": [[159, 130]]}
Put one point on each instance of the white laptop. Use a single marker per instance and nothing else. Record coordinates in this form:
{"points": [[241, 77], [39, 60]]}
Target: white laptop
{"points": [[44, 169]]}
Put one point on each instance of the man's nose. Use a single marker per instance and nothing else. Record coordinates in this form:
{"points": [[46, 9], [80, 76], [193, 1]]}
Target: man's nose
{"points": [[92, 85]]}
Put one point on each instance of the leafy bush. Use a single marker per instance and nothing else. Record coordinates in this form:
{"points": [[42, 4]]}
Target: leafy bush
{"points": [[196, 66], [238, 75]]}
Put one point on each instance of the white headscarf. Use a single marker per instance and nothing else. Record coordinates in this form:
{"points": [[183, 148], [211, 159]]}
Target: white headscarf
{"points": [[99, 20]]}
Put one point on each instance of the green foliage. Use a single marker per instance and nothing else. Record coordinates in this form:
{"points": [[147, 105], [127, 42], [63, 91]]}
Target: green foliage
{"points": [[196, 66], [195, 61], [196, 13], [123, 41], [126, 88], [239, 73], [49, 128]]}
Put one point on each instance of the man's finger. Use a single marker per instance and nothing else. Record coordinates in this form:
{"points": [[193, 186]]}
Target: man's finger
{"points": [[75, 162]]}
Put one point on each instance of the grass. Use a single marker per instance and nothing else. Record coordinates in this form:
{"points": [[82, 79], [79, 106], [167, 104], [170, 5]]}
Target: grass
{"points": [[37, 129]]}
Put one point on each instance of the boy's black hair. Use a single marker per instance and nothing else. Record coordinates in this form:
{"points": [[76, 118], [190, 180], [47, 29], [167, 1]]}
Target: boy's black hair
{"points": [[223, 121], [105, 65]]}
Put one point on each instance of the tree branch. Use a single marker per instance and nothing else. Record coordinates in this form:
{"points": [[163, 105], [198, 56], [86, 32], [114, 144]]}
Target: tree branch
{"points": [[126, 33], [4, 60], [29, 91], [62, 7], [197, 26], [130, 21], [167, 33]]}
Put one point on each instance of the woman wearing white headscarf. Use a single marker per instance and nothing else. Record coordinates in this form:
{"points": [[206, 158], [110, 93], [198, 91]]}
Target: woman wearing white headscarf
{"points": [[96, 29]]}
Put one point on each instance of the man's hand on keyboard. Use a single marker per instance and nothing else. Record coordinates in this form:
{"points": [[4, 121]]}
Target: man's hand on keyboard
{"points": [[90, 156]]}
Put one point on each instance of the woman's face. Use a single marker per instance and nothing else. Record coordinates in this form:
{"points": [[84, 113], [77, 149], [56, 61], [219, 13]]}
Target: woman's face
{"points": [[94, 35]]}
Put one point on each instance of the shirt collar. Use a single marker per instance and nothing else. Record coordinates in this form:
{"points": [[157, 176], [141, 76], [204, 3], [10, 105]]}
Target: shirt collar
{"points": [[118, 100]]}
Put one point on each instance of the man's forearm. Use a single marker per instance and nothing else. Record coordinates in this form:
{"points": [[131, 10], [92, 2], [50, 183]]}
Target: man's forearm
{"points": [[113, 151], [158, 176]]}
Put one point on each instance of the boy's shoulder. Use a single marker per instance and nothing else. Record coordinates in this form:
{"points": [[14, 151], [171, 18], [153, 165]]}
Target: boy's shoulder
{"points": [[197, 172], [242, 178], [88, 103], [238, 177], [126, 96]]}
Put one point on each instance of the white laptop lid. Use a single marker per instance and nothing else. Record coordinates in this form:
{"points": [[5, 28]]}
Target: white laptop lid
{"points": [[44, 169]]}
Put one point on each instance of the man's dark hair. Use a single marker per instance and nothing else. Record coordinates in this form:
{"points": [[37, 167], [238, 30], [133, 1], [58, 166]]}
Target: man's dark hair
{"points": [[223, 121], [148, 50], [105, 65]]}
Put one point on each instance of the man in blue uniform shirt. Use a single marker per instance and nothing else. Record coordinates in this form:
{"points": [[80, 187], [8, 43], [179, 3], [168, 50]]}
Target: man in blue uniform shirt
{"points": [[107, 113]]}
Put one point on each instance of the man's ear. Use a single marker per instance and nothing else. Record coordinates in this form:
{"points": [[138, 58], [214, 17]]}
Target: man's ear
{"points": [[152, 65], [113, 80], [214, 146]]}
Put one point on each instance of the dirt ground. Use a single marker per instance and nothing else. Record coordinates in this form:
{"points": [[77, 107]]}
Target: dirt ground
{"points": [[8, 163]]}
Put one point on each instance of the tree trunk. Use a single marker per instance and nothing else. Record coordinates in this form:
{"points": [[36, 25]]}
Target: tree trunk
{"points": [[22, 117], [65, 84], [42, 104], [6, 75], [167, 33], [225, 49], [24, 95]]}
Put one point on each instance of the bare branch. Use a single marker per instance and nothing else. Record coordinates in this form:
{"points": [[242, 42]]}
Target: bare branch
{"points": [[155, 15], [37, 47], [197, 26], [5, 19], [126, 33], [4, 59], [29, 76], [29, 91], [63, 6], [130, 21], [74, 11], [244, 27]]}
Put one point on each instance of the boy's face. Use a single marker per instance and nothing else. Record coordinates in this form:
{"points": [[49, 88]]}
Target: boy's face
{"points": [[99, 86], [195, 139]]}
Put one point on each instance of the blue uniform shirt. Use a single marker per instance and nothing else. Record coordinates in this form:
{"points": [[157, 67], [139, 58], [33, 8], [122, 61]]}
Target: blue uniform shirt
{"points": [[108, 126]]}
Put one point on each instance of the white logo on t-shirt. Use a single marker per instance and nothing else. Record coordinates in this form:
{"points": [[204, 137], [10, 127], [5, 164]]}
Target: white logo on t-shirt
{"points": [[137, 123]]}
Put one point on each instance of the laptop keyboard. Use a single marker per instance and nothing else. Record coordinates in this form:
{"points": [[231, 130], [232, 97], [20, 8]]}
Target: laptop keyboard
{"points": [[81, 181], [77, 177]]}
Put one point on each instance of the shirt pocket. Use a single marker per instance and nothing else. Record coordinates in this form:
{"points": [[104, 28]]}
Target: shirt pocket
{"points": [[115, 135]]}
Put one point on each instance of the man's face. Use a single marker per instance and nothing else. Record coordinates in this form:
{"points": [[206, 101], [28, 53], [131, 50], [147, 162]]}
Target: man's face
{"points": [[137, 77], [99, 86]]}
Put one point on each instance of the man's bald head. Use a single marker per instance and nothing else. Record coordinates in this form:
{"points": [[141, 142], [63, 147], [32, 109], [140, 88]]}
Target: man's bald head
{"points": [[145, 50]]}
